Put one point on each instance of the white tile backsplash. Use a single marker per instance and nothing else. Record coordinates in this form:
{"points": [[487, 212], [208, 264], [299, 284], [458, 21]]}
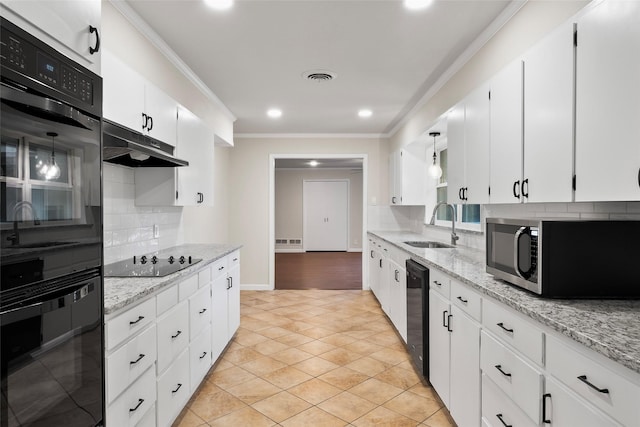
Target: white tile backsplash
{"points": [[128, 229]]}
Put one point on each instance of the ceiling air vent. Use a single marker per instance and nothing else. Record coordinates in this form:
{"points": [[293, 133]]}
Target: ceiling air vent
{"points": [[319, 75]]}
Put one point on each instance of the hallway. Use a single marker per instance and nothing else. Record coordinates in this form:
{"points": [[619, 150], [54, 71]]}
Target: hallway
{"points": [[319, 270]]}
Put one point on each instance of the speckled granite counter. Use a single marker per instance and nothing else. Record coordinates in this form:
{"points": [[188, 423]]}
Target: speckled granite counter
{"points": [[609, 327], [121, 292]]}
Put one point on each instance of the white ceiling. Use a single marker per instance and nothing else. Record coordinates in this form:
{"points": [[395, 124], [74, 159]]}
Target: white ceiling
{"points": [[253, 55]]}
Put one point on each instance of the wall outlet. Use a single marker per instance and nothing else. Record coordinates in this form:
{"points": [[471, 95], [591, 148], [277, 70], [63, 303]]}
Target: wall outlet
{"points": [[156, 231]]}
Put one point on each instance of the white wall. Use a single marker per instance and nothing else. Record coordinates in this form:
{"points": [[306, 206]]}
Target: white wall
{"points": [[124, 222], [289, 204]]}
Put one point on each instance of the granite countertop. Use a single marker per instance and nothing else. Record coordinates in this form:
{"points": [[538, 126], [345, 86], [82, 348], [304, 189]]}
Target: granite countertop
{"points": [[609, 327], [121, 292]]}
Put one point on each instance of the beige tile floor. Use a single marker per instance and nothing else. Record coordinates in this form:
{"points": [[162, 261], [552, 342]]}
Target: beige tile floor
{"points": [[314, 358]]}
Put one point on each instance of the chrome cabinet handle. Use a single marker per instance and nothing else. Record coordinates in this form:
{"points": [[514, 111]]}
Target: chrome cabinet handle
{"points": [[583, 378]]}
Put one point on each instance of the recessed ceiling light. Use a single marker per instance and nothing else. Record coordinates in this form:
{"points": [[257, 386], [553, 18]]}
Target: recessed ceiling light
{"points": [[417, 4], [274, 113], [313, 163], [219, 4], [365, 113]]}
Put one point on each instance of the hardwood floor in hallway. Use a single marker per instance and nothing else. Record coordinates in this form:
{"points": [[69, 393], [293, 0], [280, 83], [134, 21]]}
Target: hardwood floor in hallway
{"points": [[319, 270], [314, 358]]}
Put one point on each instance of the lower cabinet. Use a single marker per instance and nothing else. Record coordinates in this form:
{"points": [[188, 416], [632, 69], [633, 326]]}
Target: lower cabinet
{"points": [[158, 351], [397, 280]]}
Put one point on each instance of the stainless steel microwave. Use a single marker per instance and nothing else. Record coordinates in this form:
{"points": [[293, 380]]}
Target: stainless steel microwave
{"points": [[566, 258]]}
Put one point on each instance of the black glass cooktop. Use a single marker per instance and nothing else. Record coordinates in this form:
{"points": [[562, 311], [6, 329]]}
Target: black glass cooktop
{"points": [[149, 266]]}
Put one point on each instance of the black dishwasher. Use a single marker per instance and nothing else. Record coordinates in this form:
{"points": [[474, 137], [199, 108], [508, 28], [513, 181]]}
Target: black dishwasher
{"points": [[418, 316]]}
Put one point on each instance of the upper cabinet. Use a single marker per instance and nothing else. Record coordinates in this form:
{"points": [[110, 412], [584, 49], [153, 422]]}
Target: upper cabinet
{"points": [[72, 27], [608, 103], [182, 186], [532, 124], [132, 101], [408, 175], [468, 135]]}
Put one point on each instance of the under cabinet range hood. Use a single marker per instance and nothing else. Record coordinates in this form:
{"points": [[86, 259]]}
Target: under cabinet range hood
{"points": [[123, 146]]}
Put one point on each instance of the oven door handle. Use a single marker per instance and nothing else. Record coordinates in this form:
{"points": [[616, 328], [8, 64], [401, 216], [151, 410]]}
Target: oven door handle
{"points": [[45, 108]]}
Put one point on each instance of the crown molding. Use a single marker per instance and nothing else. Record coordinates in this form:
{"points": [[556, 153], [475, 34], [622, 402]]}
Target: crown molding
{"points": [[512, 8], [144, 28], [309, 135]]}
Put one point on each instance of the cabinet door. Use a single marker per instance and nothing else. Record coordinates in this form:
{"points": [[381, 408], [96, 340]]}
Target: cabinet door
{"points": [[476, 141], [465, 369], [173, 390], [373, 269], [163, 111], [173, 334], [608, 102], [395, 179], [123, 93], [219, 316], [398, 298], [439, 351], [234, 300], [506, 135], [65, 26], [413, 175], [548, 118], [455, 151], [567, 409], [195, 145], [199, 312]]}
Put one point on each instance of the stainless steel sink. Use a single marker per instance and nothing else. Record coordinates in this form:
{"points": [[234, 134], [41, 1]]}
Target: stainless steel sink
{"points": [[428, 244]]}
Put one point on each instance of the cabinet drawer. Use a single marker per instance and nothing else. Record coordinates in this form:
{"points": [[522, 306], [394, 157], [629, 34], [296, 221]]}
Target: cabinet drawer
{"points": [[166, 300], [200, 356], [188, 287], [564, 408], [204, 276], [219, 268], [134, 403], [466, 299], [125, 325], [576, 370], [440, 282], [498, 409], [233, 259], [173, 390], [173, 334], [514, 330], [129, 362], [517, 379], [199, 311], [148, 419]]}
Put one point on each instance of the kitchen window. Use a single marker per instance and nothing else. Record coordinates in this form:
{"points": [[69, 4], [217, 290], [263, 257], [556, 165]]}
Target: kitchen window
{"points": [[467, 216]]}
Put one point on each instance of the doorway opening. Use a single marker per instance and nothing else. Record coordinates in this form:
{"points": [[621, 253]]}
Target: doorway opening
{"points": [[300, 255]]}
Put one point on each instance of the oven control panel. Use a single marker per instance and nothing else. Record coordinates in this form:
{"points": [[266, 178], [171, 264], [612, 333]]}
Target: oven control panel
{"points": [[34, 60]]}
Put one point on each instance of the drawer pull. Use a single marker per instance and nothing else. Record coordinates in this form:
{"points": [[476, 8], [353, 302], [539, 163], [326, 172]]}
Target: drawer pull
{"points": [[173, 337], [504, 328], [177, 388], [137, 360], [221, 268], [140, 402], [583, 378], [449, 323], [502, 421], [499, 368], [202, 311], [544, 408], [235, 259], [136, 321], [203, 355], [435, 282], [463, 300]]}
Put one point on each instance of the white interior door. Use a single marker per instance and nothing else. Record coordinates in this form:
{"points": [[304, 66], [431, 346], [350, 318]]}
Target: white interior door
{"points": [[325, 215]]}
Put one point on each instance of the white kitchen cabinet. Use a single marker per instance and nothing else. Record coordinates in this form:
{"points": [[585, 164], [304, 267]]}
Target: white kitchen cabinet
{"points": [[607, 103], [548, 118], [498, 409], [200, 357], [72, 27], [234, 292], [439, 346], [374, 277], [408, 175], [186, 185], [173, 390], [397, 279], [173, 334], [132, 101], [225, 302], [199, 311], [468, 138], [134, 403]]}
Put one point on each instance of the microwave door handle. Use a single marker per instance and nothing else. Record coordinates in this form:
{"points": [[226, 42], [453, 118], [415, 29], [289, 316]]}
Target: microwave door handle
{"points": [[516, 251]]}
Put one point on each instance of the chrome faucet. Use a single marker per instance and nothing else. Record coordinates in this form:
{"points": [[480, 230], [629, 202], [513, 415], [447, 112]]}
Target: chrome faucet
{"points": [[454, 236], [15, 237]]}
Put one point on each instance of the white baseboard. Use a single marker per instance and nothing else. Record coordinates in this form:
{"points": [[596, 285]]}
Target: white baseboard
{"points": [[354, 250], [258, 287]]}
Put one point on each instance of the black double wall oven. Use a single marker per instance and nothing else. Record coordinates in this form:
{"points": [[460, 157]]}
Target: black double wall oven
{"points": [[51, 294]]}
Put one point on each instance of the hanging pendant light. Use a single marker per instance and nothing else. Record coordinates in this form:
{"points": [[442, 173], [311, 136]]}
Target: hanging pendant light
{"points": [[435, 171], [51, 170]]}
